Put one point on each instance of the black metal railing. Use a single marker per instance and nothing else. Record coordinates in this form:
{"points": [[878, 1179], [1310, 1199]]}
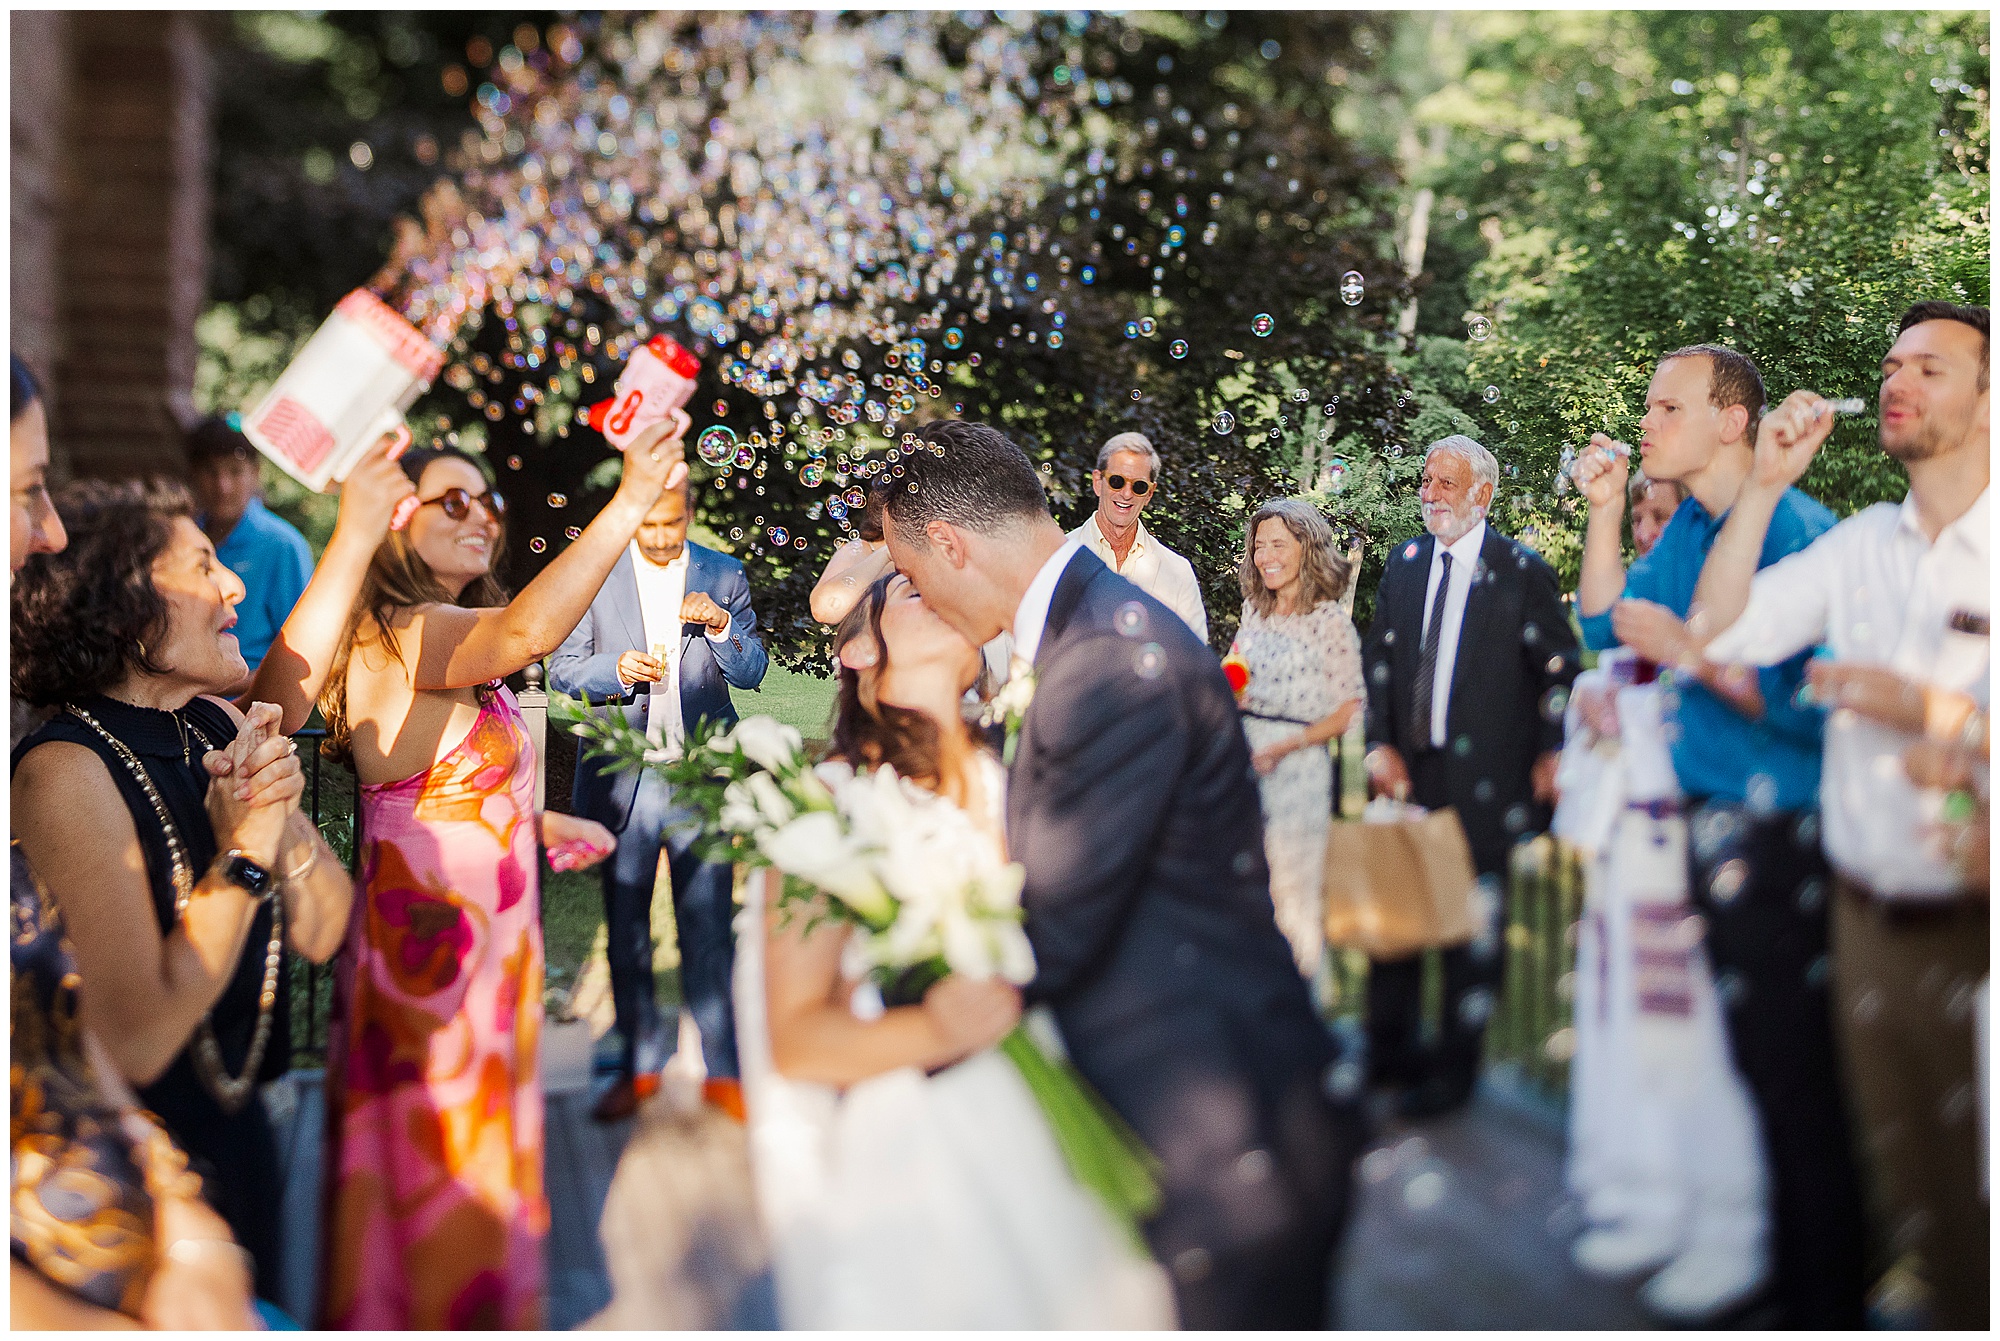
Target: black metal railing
{"points": [[332, 799], [1530, 1036]]}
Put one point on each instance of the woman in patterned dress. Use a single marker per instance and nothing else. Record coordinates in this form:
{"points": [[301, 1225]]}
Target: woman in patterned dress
{"points": [[1304, 690], [435, 1210]]}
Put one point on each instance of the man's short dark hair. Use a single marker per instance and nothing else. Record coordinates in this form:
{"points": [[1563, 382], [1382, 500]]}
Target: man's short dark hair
{"points": [[1936, 309], [215, 438], [1732, 380], [967, 474]]}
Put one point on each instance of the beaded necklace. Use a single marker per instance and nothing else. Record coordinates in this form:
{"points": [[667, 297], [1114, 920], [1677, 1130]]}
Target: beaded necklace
{"points": [[228, 1091]]}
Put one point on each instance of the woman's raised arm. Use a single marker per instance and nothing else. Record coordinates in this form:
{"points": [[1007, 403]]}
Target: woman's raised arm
{"points": [[456, 648]]}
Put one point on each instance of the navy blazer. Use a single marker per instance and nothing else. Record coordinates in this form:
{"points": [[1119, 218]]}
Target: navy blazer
{"points": [[586, 666], [1134, 809], [1515, 649]]}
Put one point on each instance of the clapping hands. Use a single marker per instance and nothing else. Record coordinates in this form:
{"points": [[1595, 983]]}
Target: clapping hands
{"points": [[255, 785]]}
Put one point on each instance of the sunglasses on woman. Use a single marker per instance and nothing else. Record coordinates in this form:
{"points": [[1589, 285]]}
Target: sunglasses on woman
{"points": [[1140, 488], [458, 502]]}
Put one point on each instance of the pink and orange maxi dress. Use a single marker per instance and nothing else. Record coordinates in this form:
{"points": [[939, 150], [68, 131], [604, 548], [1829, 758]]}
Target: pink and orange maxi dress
{"points": [[435, 1213]]}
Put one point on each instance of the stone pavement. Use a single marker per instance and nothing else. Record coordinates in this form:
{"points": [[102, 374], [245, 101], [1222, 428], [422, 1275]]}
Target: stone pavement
{"points": [[1460, 1223]]}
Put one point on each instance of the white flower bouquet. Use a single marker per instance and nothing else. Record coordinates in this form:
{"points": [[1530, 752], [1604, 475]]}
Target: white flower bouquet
{"points": [[925, 894]]}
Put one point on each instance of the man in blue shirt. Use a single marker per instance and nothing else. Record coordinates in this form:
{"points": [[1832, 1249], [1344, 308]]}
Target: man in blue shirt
{"points": [[1746, 750], [263, 549]]}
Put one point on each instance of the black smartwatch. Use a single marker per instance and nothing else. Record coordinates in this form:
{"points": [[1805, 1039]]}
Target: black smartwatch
{"points": [[247, 875]]}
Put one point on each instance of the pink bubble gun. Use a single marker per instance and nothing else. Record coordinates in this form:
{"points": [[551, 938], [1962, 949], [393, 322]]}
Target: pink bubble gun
{"points": [[658, 379]]}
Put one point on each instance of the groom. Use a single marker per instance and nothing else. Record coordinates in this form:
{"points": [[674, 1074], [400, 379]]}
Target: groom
{"points": [[1132, 805]]}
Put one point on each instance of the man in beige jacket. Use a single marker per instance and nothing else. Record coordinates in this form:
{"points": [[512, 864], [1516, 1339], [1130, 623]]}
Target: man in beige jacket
{"points": [[1127, 474]]}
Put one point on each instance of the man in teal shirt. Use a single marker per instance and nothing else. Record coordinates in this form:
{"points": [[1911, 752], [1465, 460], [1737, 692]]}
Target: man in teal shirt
{"points": [[1746, 752], [264, 550]]}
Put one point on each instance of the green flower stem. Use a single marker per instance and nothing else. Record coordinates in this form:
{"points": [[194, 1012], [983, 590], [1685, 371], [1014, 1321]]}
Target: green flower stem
{"points": [[1103, 1153]]}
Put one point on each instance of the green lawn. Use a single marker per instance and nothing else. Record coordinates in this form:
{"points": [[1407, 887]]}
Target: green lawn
{"points": [[801, 701]]}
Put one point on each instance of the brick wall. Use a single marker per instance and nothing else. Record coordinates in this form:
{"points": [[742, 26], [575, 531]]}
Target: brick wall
{"points": [[39, 72], [117, 164]]}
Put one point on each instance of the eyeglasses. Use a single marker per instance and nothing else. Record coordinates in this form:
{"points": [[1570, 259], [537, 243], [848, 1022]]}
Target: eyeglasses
{"points": [[457, 503], [1140, 488]]}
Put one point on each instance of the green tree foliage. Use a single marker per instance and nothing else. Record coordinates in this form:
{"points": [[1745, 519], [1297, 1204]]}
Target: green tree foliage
{"points": [[1785, 183], [1595, 189]]}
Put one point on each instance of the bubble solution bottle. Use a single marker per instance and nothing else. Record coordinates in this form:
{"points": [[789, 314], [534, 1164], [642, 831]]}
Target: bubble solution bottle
{"points": [[658, 378]]}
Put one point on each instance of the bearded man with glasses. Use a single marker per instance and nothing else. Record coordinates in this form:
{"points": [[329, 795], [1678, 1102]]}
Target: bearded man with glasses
{"points": [[1125, 481]]}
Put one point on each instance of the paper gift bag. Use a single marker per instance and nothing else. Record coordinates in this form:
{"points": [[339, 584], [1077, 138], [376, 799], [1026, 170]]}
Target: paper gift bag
{"points": [[1398, 886]]}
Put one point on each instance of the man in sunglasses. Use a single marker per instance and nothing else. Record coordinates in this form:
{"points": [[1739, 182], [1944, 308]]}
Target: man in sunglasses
{"points": [[1125, 481], [664, 642]]}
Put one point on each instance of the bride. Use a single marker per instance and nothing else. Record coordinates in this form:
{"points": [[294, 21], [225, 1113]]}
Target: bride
{"points": [[903, 1169]]}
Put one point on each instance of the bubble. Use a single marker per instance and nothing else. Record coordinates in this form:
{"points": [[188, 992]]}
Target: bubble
{"points": [[1147, 326], [1482, 790], [953, 337], [572, 532], [850, 360], [1462, 746], [1333, 475], [735, 533], [1478, 329], [1475, 1008], [536, 544], [1151, 662], [1225, 422], [1176, 235], [1426, 1189], [1351, 288], [1179, 349], [1555, 703], [1136, 394], [1129, 619], [1262, 325], [1490, 394], [1055, 342], [1729, 879], [779, 535], [721, 408], [1343, 1079], [856, 498], [1561, 1045], [717, 445], [798, 542], [836, 508], [745, 457], [513, 463], [558, 500]]}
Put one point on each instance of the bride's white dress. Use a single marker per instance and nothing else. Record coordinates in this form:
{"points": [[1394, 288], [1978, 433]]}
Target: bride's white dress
{"points": [[912, 1201]]}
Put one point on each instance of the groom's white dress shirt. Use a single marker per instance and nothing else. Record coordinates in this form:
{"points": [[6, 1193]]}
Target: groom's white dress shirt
{"points": [[1032, 616]]}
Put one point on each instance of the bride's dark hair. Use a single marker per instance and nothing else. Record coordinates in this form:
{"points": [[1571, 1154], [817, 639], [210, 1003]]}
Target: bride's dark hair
{"points": [[866, 731]]}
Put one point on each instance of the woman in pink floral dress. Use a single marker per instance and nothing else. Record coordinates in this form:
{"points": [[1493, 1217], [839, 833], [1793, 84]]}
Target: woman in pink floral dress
{"points": [[435, 1213]]}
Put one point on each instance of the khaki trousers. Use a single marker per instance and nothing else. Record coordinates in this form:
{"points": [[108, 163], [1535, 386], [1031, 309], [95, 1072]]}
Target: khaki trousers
{"points": [[1904, 978]]}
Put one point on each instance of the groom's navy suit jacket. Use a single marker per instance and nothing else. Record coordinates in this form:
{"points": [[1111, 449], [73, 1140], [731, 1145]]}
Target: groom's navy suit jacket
{"points": [[1134, 809]]}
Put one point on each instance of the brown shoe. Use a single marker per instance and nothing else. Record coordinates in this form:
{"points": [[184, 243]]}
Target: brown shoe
{"points": [[622, 1100]]}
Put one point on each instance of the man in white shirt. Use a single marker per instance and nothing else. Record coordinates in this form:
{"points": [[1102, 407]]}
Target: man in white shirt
{"points": [[668, 636], [1468, 647], [1127, 480], [1898, 595]]}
